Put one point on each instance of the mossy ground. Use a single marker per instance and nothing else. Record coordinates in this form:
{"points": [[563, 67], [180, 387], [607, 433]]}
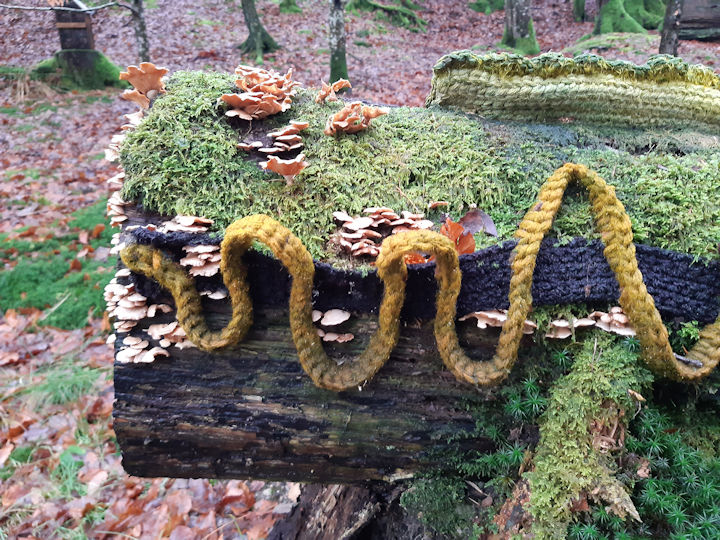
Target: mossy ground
{"points": [[40, 275], [183, 159], [99, 71]]}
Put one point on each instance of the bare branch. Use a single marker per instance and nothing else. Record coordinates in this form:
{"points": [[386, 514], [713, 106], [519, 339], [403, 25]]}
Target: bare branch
{"points": [[75, 10]]}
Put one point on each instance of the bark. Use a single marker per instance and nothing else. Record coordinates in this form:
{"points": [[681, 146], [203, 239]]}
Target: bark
{"points": [[700, 19], [349, 512], [138, 18], [338, 60], [669, 34], [251, 412], [75, 28], [259, 40], [519, 33]]}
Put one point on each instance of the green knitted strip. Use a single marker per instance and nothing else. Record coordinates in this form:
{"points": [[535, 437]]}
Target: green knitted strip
{"points": [[664, 92]]}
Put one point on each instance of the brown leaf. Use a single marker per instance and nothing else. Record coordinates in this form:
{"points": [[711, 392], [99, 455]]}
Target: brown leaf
{"points": [[463, 240], [75, 265], [476, 221], [5, 452]]}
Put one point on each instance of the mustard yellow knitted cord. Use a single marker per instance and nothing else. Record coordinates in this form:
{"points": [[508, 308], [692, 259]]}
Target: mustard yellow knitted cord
{"points": [[611, 220]]}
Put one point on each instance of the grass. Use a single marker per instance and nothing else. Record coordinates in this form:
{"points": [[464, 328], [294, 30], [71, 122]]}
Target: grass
{"points": [[40, 274], [183, 159]]}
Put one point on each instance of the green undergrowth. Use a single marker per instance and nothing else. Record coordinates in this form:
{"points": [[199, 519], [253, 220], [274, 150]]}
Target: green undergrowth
{"points": [[38, 273], [183, 160], [97, 72], [400, 13], [679, 499], [508, 417], [487, 6], [567, 466]]}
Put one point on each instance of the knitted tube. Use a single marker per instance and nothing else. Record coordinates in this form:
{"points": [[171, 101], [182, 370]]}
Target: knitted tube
{"points": [[664, 92]]}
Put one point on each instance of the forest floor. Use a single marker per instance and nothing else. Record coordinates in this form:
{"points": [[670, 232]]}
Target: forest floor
{"points": [[60, 469]]}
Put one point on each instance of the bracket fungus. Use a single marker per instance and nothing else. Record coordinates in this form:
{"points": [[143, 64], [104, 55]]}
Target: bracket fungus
{"points": [[328, 91], [352, 118], [146, 81], [264, 93], [288, 168]]}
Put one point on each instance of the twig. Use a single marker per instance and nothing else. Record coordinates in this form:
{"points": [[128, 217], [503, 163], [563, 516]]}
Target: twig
{"points": [[689, 361], [75, 10]]}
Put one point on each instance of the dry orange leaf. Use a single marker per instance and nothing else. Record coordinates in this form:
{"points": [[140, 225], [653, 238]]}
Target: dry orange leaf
{"points": [[463, 240]]}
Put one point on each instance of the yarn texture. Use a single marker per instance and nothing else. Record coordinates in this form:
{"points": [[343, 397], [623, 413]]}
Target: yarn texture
{"points": [[611, 221], [664, 92]]}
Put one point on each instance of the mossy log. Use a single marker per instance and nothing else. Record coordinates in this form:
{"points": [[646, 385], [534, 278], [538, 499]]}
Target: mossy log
{"points": [[251, 411], [700, 20]]}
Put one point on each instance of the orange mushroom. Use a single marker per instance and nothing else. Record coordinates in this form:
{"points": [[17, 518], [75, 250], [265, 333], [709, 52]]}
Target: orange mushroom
{"points": [[288, 168]]}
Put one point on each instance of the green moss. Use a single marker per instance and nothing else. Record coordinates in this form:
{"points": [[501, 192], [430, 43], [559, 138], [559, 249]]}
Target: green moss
{"points": [[487, 6], [566, 463], [79, 70], [183, 159], [440, 504], [613, 17], [679, 499], [649, 13], [526, 46], [399, 13], [45, 280]]}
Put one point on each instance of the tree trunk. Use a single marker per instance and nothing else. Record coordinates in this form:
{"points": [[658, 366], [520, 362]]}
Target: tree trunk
{"points": [[338, 60], [138, 17], [519, 33], [669, 34], [259, 40], [579, 10], [75, 29]]}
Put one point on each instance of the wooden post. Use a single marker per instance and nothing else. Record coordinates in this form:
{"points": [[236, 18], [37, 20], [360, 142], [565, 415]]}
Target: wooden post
{"points": [[75, 28]]}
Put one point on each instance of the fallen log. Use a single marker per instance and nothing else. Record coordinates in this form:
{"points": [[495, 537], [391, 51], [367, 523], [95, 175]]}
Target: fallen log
{"points": [[251, 412]]}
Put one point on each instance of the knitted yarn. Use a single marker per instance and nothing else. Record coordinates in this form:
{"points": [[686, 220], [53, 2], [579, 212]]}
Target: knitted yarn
{"points": [[613, 224], [666, 91], [611, 220]]}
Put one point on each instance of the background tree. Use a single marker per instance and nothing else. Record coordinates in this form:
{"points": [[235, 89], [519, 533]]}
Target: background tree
{"points": [[519, 32], [338, 60], [628, 16], [259, 40], [669, 34]]}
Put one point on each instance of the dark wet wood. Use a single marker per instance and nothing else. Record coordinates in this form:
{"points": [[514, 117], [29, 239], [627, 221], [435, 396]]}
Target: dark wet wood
{"points": [[251, 412]]}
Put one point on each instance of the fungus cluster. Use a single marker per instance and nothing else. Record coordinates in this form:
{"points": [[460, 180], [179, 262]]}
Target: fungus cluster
{"points": [[615, 322], [496, 318], [332, 318], [137, 352], [191, 224], [146, 81], [264, 93], [328, 91], [116, 209], [203, 260], [352, 118], [361, 236], [169, 334]]}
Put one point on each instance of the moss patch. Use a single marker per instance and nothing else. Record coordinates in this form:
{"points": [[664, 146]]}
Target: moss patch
{"points": [[183, 159], [77, 69], [566, 463], [46, 280]]}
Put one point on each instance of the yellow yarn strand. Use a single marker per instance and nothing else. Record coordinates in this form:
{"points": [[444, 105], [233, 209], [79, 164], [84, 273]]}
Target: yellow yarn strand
{"points": [[611, 220]]}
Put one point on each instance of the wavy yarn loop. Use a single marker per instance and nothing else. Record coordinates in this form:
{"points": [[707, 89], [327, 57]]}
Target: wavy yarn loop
{"points": [[611, 220]]}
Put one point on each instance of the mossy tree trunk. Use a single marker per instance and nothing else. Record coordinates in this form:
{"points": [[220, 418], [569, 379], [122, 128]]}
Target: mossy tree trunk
{"points": [[138, 18], [338, 59], [669, 34], [259, 40], [579, 10], [613, 17], [519, 33]]}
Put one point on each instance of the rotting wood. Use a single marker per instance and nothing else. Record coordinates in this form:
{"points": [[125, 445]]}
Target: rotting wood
{"points": [[251, 412]]}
